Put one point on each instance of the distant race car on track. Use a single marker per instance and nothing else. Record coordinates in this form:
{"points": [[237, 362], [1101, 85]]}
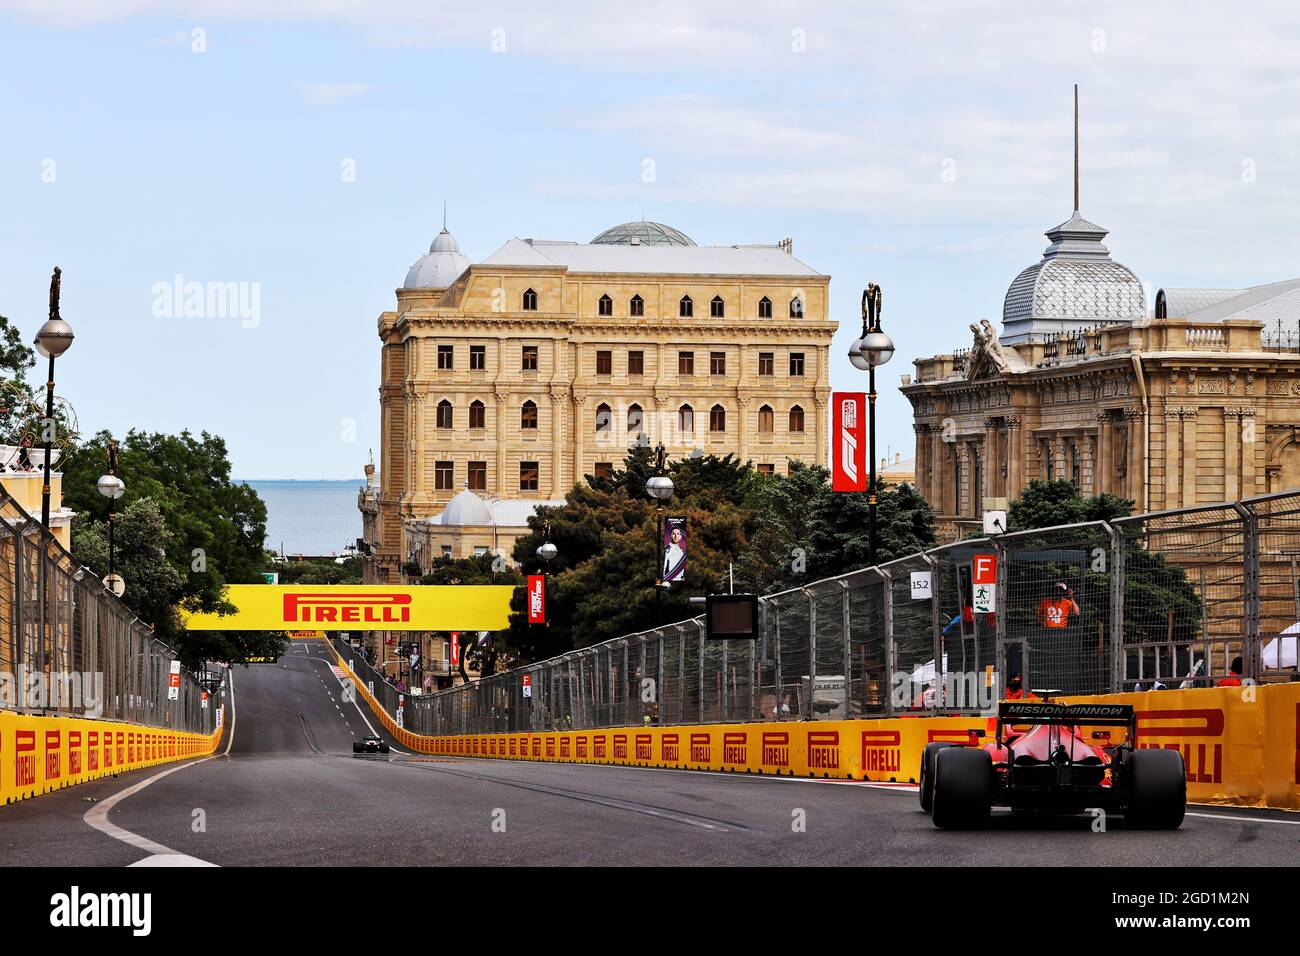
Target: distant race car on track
{"points": [[1040, 761], [370, 744]]}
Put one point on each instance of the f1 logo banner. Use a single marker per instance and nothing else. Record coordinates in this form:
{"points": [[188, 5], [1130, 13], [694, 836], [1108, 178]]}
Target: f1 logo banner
{"points": [[848, 412], [536, 599]]}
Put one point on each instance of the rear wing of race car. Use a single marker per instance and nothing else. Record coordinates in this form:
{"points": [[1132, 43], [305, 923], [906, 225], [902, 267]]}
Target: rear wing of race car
{"points": [[1042, 712]]}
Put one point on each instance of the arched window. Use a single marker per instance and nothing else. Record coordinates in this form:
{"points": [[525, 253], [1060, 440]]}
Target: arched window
{"points": [[765, 308], [636, 306], [796, 419], [602, 417], [686, 420], [717, 419], [606, 305], [477, 414], [686, 308], [528, 414], [766, 420], [635, 419], [444, 414], [530, 300], [717, 308], [796, 308]]}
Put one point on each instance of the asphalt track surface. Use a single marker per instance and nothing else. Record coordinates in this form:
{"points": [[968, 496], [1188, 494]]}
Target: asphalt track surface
{"points": [[289, 792]]}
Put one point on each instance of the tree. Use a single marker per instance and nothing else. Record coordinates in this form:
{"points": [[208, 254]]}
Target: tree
{"points": [[1045, 504], [216, 529], [839, 529], [318, 571], [480, 569]]}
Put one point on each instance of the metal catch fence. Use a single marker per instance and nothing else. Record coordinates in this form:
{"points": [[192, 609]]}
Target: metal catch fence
{"points": [[1170, 599], [69, 647]]}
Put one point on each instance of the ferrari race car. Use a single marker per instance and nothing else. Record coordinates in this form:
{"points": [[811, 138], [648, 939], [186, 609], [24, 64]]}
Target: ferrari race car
{"points": [[1040, 761], [370, 744]]}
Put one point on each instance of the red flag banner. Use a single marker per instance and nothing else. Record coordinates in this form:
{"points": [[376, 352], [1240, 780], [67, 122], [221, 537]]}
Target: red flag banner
{"points": [[849, 416]]}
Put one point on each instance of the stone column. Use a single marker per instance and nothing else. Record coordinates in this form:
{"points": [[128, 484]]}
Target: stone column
{"points": [[822, 402], [1103, 462], [1173, 456], [579, 435], [938, 467], [1231, 454], [993, 462], [742, 426], [1134, 461], [963, 470], [1189, 457], [1015, 458], [1253, 430], [503, 414], [922, 453], [559, 402]]}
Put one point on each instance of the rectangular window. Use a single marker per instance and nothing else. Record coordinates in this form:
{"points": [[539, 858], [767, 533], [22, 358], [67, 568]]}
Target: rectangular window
{"points": [[717, 363], [477, 415], [635, 363], [796, 363], [766, 363], [685, 363], [442, 472], [604, 363], [767, 469], [528, 476], [478, 476], [604, 469], [477, 358], [446, 551], [530, 358], [480, 550], [446, 358]]}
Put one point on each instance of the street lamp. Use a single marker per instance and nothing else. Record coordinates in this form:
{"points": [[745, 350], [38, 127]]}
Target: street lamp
{"points": [[546, 554], [112, 488], [660, 488], [53, 339], [872, 349]]}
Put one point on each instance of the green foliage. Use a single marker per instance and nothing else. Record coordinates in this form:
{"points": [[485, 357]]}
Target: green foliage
{"points": [[774, 531], [1044, 504], [319, 571], [216, 529]]}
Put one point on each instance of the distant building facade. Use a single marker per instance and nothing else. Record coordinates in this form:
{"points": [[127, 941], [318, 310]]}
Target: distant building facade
{"points": [[1196, 405], [514, 377]]}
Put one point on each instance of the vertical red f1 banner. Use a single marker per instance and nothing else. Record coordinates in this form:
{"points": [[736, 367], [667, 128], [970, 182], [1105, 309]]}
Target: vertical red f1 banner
{"points": [[849, 414], [455, 648], [536, 599]]}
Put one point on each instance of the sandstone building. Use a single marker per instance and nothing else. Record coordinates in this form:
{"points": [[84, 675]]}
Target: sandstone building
{"points": [[512, 378]]}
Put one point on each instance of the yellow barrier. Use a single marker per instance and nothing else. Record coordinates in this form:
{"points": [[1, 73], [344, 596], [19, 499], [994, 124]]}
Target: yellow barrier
{"points": [[40, 754], [1240, 744]]}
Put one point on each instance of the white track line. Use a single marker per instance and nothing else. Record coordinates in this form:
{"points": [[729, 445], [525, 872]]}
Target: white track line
{"points": [[355, 703], [97, 816]]}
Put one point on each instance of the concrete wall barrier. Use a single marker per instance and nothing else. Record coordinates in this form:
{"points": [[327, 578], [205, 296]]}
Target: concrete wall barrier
{"points": [[41, 754]]}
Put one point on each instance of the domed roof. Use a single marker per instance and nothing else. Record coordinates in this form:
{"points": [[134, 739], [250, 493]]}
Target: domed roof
{"points": [[648, 234], [1076, 283], [440, 267], [466, 508]]}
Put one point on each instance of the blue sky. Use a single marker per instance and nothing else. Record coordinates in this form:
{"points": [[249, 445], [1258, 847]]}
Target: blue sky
{"points": [[924, 146]]}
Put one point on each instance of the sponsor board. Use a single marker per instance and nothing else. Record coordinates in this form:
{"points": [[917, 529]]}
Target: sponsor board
{"points": [[262, 607]]}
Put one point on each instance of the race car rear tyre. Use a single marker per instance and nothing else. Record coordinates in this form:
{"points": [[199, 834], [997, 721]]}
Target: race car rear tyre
{"points": [[356, 747], [963, 788], [383, 748], [1157, 789], [926, 777]]}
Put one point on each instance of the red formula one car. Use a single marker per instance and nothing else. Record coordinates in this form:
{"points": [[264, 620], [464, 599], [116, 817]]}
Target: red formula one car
{"points": [[1040, 761]]}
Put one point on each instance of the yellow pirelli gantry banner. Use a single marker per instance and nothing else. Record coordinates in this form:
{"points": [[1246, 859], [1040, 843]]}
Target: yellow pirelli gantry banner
{"points": [[361, 607]]}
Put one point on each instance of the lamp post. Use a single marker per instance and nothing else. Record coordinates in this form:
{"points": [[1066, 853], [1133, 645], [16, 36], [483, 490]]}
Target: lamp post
{"points": [[546, 554], [112, 488], [53, 339], [660, 488], [872, 349]]}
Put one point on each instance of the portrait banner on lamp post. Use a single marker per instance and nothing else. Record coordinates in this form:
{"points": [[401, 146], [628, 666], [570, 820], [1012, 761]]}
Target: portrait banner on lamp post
{"points": [[674, 551]]}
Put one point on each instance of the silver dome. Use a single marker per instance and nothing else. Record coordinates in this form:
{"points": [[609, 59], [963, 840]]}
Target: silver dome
{"points": [[647, 234], [466, 508], [1075, 284], [440, 267]]}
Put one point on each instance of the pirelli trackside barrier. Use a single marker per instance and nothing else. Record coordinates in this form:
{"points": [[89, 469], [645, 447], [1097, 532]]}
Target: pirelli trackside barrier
{"points": [[1240, 744], [41, 754]]}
